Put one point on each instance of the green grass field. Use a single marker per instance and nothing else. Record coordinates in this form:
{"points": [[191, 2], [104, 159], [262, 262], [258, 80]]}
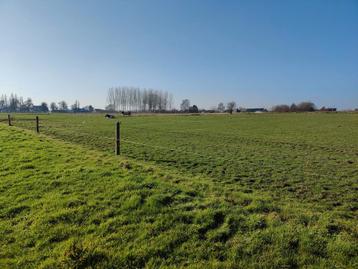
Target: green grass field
{"points": [[219, 191]]}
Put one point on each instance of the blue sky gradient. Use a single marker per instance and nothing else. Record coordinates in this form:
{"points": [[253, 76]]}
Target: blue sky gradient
{"points": [[257, 53]]}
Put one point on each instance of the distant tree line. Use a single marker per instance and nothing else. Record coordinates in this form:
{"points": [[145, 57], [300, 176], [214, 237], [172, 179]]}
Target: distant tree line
{"points": [[14, 103], [139, 100], [301, 107], [186, 107], [230, 107], [62, 107]]}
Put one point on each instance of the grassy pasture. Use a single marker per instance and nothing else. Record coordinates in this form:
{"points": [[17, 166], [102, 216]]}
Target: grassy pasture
{"points": [[311, 157], [246, 191]]}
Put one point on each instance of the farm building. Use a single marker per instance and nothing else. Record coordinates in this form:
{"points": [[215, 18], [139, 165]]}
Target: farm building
{"points": [[255, 110], [328, 109]]}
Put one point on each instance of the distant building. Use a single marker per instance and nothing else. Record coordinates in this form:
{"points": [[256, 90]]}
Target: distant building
{"points": [[36, 109], [328, 109], [82, 110], [255, 110], [207, 110], [99, 110]]}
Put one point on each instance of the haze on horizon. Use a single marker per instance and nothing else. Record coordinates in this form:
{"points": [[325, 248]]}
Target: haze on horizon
{"points": [[257, 53]]}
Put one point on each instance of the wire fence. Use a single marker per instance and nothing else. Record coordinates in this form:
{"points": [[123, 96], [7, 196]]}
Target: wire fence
{"points": [[116, 139], [178, 155], [164, 145], [27, 121], [11, 120]]}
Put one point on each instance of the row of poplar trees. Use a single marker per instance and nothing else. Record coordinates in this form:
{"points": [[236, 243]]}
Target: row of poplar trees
{"points": [[139, 100]]}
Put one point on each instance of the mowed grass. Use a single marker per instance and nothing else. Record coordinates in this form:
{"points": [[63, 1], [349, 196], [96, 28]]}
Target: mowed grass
{"points": [[63, 205]]}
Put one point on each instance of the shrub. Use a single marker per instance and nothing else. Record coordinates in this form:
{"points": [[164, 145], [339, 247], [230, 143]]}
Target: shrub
{"points": [[281, 108]]}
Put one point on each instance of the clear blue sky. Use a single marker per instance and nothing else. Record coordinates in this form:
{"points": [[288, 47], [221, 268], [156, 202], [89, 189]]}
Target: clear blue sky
{"points": [[258, 53]]}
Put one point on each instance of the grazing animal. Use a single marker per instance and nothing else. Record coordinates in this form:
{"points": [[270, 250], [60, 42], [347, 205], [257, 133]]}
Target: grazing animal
{"points": [[126, 113], [109, 116]]}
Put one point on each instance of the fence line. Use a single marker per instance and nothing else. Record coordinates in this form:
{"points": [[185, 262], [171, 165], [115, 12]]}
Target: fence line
{"points": [[118, 141], [165, 148], [10, 120], [219, 145], [156, 147]]}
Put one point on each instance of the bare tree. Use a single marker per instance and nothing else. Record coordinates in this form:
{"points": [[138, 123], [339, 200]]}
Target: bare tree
{"points": [[76, 106], [170, 101], [185, 104], [3, 103], [231, 106], [53, 107], [111, 100], [13, 103], [293, 107], [44, 107], [281, 108], [62, 106], [221, 107], [145, 100], [306, 107], [28, 105]]}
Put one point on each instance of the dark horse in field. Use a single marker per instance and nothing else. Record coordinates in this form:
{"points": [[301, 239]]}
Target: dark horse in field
{"points": [[126, 113], [109, 116]]}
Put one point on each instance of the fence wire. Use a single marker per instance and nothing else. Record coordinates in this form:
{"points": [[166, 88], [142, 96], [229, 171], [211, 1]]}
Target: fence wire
{"points": [[23, 123]]}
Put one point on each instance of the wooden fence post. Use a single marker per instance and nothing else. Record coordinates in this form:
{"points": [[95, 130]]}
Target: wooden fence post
{"points": [[9, 119], [37, 124], [118, 138]]}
